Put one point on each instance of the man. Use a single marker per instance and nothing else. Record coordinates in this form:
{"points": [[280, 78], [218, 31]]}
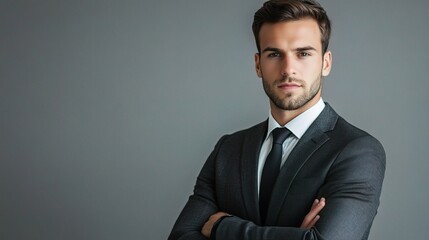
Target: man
{"points": [[261, 183]]}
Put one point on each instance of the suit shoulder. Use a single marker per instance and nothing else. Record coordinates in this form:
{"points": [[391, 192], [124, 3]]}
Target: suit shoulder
{"points": [[346, 132], [260, 127], [257, 131]]}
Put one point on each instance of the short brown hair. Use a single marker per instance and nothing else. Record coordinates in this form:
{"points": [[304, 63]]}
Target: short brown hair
{"points": [[274, 11]]}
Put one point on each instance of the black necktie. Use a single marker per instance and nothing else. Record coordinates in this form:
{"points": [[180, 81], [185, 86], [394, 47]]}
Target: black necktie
{"points": [[271, 169]]}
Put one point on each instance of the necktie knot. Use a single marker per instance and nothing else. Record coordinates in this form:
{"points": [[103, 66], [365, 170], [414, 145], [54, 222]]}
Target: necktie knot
{"points": [[280, 135]]}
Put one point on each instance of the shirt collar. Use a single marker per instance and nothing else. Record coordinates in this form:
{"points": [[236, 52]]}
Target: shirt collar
{"points": [[299, 125]]}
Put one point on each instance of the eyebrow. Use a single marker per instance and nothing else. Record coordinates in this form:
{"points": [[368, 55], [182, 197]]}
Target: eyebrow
{"points": [[271, 49], [306, 48], [300, 49]]}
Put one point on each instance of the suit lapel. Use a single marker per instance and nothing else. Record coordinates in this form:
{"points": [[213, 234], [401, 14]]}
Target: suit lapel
{"points": [[249, 169], [312, 140]]}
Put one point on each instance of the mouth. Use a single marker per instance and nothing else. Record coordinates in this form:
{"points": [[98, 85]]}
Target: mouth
{"points": [[289, 86]]}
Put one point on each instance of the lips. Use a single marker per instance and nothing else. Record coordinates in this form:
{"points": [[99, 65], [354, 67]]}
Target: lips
{"points": [[289, 86]]}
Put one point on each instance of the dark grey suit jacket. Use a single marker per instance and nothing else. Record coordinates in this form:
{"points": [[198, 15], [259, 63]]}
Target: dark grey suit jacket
{"points": [[333, 159]]}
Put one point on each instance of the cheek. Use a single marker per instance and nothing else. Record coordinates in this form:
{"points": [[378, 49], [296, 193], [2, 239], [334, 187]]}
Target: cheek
{"points": [[270, 69], [311, 69]]}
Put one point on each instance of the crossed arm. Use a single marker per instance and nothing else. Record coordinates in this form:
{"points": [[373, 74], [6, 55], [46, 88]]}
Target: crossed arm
{"points": [[351, 188], [309, 220]]}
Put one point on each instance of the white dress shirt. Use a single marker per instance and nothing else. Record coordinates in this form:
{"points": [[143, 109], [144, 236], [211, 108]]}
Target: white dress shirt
{"points": [[298, 126]]}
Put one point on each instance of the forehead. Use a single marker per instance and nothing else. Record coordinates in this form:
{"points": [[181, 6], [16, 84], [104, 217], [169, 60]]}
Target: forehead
{"points": [[298, 33]]}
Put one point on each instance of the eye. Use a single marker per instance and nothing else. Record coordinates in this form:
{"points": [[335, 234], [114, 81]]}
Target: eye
{"points": [[274, 55], [304, 54]]}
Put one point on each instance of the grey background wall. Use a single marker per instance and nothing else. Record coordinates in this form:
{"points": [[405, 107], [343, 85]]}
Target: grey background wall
{"points": [[108, 109]]}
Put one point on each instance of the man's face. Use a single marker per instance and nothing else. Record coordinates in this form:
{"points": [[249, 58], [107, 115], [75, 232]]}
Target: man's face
{"points": [[291, 64]]}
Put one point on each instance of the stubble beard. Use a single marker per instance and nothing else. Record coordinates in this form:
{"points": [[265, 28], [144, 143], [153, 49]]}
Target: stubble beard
{"points": [[287, 101]]}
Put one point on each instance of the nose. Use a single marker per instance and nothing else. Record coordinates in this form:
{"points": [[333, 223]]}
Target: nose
{"points": [[288, 68]]}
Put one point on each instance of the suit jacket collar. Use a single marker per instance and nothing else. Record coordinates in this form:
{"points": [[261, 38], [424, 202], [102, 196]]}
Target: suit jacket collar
{"points": [[327, 119]]}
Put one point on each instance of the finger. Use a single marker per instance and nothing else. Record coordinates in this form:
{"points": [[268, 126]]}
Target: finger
{"points": [[312, 217], [316, 208], [313, 222], [309, 217], [309, 221], [321, 203], [315, 202]]}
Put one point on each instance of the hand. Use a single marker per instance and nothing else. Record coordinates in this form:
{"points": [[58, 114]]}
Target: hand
{"points": [[207, 228], [313, 216]]}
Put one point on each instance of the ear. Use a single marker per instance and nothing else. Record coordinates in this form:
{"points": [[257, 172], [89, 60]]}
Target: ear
{"points": [[327, 63], [258, 64]]}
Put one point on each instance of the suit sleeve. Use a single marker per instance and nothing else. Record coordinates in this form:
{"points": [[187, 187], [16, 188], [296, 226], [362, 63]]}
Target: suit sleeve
{"points": [[352, 190], [201, 204]]}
